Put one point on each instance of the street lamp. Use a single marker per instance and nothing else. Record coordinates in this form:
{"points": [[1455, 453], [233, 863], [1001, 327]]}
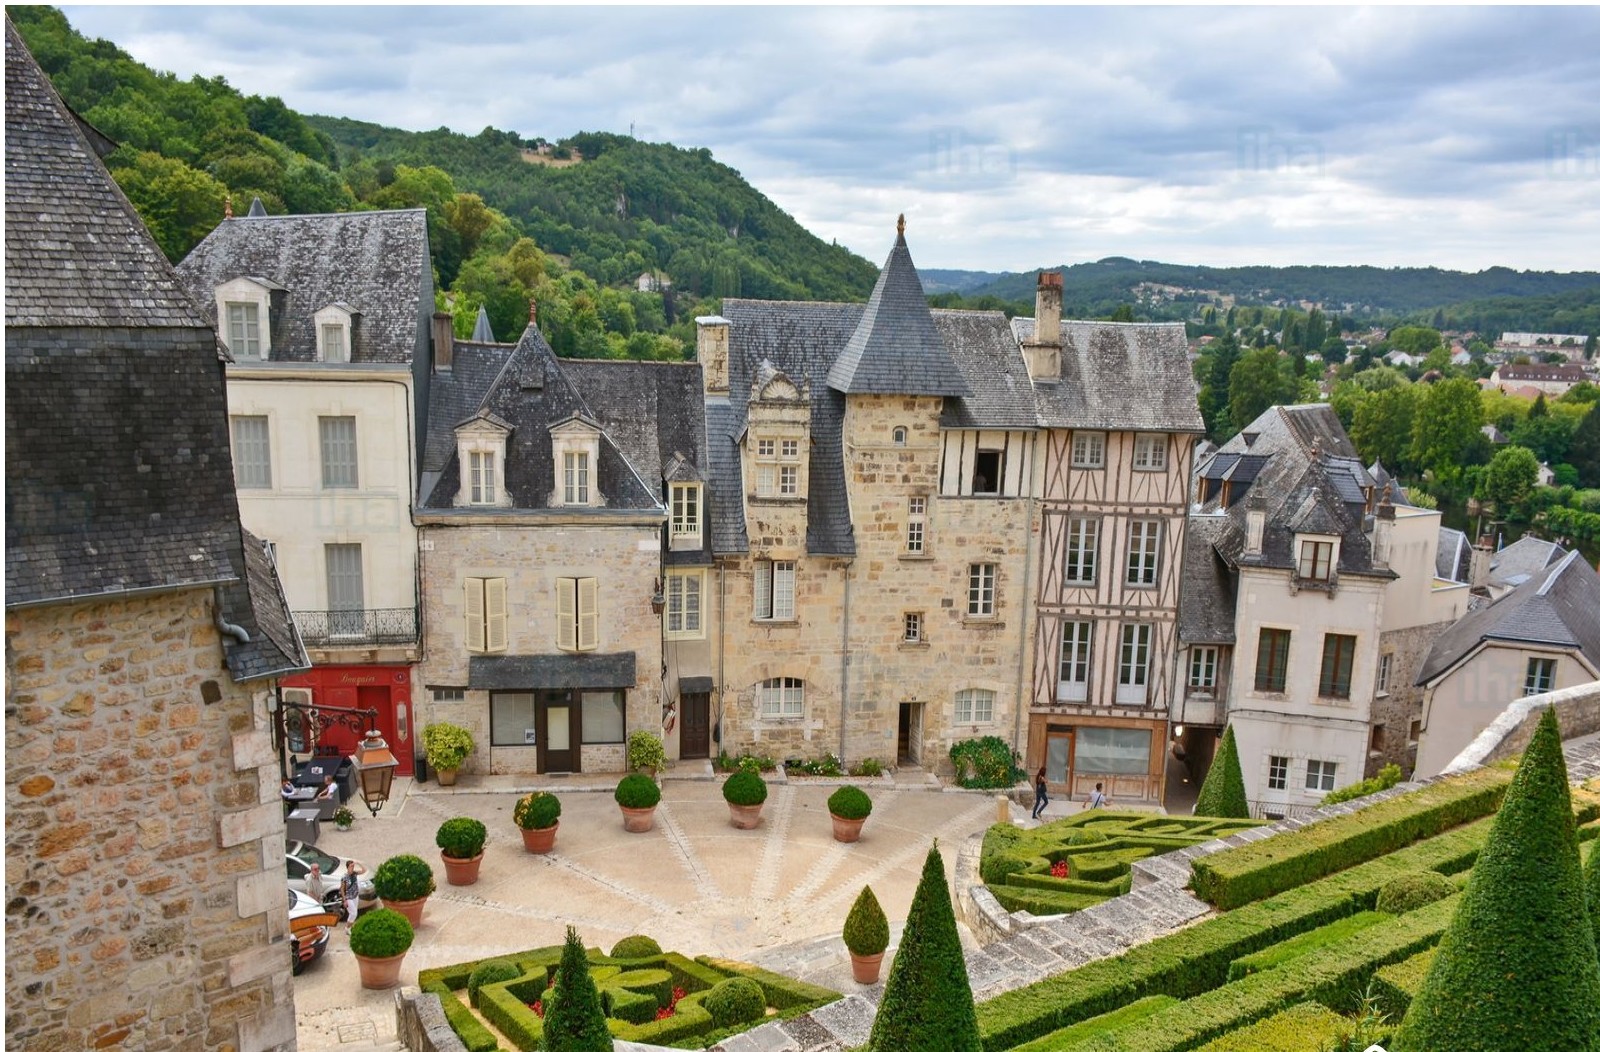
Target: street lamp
{"points": [[375, 766]]}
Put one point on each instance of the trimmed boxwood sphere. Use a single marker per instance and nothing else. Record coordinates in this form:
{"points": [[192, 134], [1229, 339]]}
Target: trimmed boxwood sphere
{"points": [[734, 1001], [1414, 891], [633, 946], [638, 791], [536, 811], [866, 929], [403, 878], [849, 802], [745, 789], [461, 837], [381, 933], [496, 971]]}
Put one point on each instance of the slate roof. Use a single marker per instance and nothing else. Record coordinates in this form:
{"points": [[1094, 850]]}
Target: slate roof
{"points": [[1119, 376], [257, 604], [453, 396], [377, 262], [1558, 606], [1521, 559], [1206, 599], [999, 395]]}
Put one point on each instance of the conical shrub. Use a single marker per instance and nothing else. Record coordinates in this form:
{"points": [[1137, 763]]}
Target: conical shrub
{"points": [[1222, 795], [1516, 970], [574, 1020], [927, 1003], [1591, 876]]}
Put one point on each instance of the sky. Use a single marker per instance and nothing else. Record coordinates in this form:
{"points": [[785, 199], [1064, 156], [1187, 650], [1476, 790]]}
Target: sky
{"points": [[1011, 138]]}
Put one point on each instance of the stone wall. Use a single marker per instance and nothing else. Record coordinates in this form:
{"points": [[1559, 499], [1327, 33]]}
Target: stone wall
{"points": [[1402, 704], [1577, 711], [144, 879]]}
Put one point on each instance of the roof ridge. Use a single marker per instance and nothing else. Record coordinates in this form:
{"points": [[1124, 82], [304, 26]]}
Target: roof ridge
{"points": [[1556, 572], [374, 212]]}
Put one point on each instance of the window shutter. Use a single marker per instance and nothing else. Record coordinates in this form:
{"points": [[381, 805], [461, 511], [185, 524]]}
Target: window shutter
{"points": [[588, 613], [472, 607], [494, 613], [763, 587], [567, 613]]}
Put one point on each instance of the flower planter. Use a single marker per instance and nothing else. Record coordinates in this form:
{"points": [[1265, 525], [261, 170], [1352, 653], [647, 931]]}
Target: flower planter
{"points": [[638, 819], [742, 817], [344, 827], [411, 909], [461, 871], [447, 775], [865, 967], [846, 830], [540, 841], [380, 973]]}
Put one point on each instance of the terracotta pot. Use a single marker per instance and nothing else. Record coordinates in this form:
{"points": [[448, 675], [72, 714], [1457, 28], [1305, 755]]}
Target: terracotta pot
{"points": [[744, 817], [460, 871], [411, 909], [540, 841], [447, 776], [638, 819], [865, 967], [380, 973], [846, 830]]}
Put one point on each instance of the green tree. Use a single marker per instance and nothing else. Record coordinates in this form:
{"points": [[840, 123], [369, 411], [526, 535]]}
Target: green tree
{"points": [[1510, 477], [573, 1019], [927, 1002], [1258, 382], [1419, 341], [1122, 313], [1215, 366], [1381, 429], [1222, 794], [1446, 429], [1584, 453], [1517, 968], [179, 204], [1538, 408], [1591, 881], [1549, 436]]}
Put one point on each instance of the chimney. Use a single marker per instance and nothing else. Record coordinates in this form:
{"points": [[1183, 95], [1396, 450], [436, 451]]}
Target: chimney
{"points": [[533, 311], [444, 342], [711, 351], [1043, 353], [1478, 565], [1382, 532], [1255, 523]]}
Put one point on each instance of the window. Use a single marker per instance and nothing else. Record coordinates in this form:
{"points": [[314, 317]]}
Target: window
{"points": [[988, 470], [1277, 772], [780, 475], [974, 706], [1319, 775], [575, 477], [913, 628], [338, 435], [1316, 560], [1272, 659], [1083, 540], [916, 525], [1541, 676], [1088, 449], [335, 348], [448, 693], [1133, 664], [1073, 683], [1385, 666], [1338, 656], [899, 436], [1203, 668], [788, 480], [1150, 453], [1376, 743], [1144, 551], [774, 589], [480, 471], [790, 449], [603, 722], [244, 330], [1414, 733], [511, 718], [766, 448], [577, 613], [684, 589], [1111, 751], [346, 596], [980, 590], [686, 510], [252, 453], [782, 698], [484, 606]]}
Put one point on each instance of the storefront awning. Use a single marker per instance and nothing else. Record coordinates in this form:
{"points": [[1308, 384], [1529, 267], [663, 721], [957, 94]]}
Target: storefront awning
{"points": [[552, 672], [694, 685]]}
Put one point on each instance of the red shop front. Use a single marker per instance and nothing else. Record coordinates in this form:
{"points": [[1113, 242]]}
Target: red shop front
{"points": [[386, 688]]}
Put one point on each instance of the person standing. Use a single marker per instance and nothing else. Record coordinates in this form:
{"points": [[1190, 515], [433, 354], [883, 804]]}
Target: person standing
{"points": [[1041, 794], [1096, 798], [314, 885], [350, 886]]}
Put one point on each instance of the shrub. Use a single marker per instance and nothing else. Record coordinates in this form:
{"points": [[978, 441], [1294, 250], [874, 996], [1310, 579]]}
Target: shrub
{"points": [[381, 933], [734, 1001], [927, 1002], [538, 810], [638, 791], [1306, 942], [1517, 969], [646, 750], [744, 789], [985, 763], [1414, 890], [1303, 1028], [1387, 778], [849, 802], [866, 929], [1104, 1024], [632, 946], [1087, 836], [495, 971], [1591, 880], [473, 1034], [447, 745], [868, 768], [1222, 795], [343, 816], [403, 878], [1395, 985], [461, 837], [573, 1019]]}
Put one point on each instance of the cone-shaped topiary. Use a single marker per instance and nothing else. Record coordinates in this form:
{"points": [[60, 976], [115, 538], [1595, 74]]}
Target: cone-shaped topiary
{"points": [[866, 929], [1517, 969], [1222, 795], [1591, 876], [573, 1018], [927, 1003]]}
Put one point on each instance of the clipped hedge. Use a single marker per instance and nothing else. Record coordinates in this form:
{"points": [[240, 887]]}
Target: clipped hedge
{"points": [[1303, 1028], [1395, 985], [1230, 879], [1404, 894], [1105, 1024], [473, 1034], [735, 1000], [494, 971], [1304, 943]]}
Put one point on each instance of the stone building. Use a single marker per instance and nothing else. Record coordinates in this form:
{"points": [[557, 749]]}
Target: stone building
{"points": [[144, 626], [327, 318]]}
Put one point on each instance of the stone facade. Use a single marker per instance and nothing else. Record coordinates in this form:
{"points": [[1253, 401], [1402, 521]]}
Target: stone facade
{"points": [[141, 806], [1397, 704]]}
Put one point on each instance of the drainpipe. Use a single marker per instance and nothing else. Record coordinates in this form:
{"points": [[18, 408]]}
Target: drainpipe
{"points": [[225, 627], [722, 643], [844, 667]]}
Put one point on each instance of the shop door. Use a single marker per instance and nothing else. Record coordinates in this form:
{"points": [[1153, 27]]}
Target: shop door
{"points": [[558, 731], [1058, 760], [694, 740], [908, 743]]}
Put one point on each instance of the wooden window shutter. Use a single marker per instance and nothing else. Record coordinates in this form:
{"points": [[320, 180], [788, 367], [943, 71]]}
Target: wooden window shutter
{"points": [[472, 606], [494, 610], [567, 613], [588, 613]]}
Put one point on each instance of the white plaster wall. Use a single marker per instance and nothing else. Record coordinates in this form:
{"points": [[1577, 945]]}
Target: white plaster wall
{"points": [[1418, 597]]}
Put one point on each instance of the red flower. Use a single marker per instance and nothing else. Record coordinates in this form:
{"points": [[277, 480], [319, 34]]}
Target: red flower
{"points": [[538, 1008], [677, 995], [665, 1013], [1059, 869]]}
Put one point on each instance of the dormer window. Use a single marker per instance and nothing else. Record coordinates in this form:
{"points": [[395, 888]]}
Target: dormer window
{"points": [[576, 449], [335, 325], [482, 465], [575, 477], [778, 467], [686, 511], [481, 450], [244, 330], [1315, 562], [244, 316]]}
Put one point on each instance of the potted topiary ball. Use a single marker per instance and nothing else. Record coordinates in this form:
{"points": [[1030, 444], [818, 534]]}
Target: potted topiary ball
{"points": [[866, 936], [646, 753], [404, 883], [638, 795], [379, 939], [447, 747], [460, 842], [849, 808], [745, 793], [538, 815]]}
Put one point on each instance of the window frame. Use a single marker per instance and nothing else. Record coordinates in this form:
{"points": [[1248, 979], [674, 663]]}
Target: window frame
{"points": [[344, 550], [1079, 635], [687, 503], [1081, 559], [783, 693], [1539, 670], [1143, 569], [993, 486], [244, 336], [1140, 637], [1323, 771], [1275, 660], [686, 604], [911, 627], [577, 480], [970, 701], [1314, 559], [506, 696], [983, 590], [1203, 662], [1278, 769], [773, 590], [256, 474], [1150, 452], [1089, 450], [338, 473], [1342, 658], [326, 347], [1385, 670], [617, 697], [482, 474], [917, 525]]}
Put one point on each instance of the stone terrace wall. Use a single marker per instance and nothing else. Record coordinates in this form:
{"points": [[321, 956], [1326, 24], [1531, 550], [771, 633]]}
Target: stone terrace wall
{"points": [[1577, 710]]}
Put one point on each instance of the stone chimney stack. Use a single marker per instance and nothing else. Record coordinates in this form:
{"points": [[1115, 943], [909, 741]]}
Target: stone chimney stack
{"points": [[1478, 565], [1043, 352], [711, 351], [1383, 532], [444, 342], [1255, 523]]}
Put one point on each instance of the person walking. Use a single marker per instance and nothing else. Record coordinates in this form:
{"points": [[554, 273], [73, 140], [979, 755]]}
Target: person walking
{"points": [[314, 886], [1041, 794], [1096, 798], [350, 887]]}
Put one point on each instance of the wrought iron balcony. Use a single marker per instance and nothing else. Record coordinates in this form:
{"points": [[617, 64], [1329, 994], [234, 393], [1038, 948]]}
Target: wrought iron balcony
{"points": [[358, 628]]}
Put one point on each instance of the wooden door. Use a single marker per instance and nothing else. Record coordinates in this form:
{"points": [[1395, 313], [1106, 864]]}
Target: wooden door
{"points": [[694, 737], [558, 731]]}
